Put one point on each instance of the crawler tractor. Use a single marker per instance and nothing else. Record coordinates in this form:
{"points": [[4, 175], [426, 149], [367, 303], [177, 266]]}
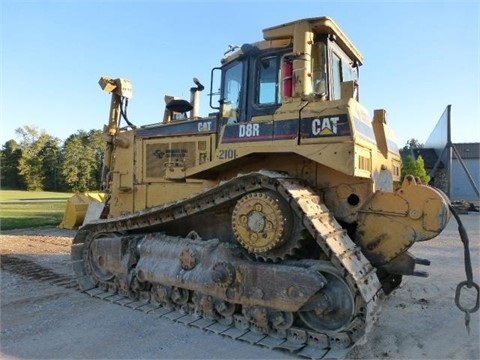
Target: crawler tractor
{"points": [[279, 219]]}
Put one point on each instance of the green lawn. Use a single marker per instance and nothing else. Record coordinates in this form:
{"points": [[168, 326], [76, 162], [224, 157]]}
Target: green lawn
{"points": [[32, 195], [25, 209]]}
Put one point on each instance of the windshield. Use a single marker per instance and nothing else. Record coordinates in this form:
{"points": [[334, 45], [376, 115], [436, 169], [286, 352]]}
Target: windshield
{"points": [[232, 86]]}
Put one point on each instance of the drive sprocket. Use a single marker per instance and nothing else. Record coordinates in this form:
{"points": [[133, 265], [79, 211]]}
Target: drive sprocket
{"points": [[263, 224]]}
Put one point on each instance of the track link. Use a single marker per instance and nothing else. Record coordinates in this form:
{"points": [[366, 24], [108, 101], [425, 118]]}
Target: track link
{"points": [[340, 250]]}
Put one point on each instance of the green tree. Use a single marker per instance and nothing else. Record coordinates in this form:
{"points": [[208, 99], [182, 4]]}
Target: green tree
{"points": [[50, 155], [413, 144], [9, 159], [82, 155], [38, 149], [408, 166], [420, 170], [98, 144], [416, 168]]}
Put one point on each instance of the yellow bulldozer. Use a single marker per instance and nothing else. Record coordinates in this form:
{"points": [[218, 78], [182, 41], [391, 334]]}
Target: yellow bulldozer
{"points": [[279, 217]]}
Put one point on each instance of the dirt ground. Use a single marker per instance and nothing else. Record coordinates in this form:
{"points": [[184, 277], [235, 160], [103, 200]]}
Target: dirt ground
{"points": [[40, 320]]}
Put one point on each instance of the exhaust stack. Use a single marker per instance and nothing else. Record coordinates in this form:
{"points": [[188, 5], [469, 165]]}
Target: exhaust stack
{"points": [[195, 98]]}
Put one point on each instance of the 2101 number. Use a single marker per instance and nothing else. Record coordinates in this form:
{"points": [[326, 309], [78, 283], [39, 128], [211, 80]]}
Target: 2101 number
{"points": [[227, 154]]}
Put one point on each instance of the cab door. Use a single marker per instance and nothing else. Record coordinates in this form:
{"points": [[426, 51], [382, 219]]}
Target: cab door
{"points": [[264, 96], [250, 97], [233, 92]]}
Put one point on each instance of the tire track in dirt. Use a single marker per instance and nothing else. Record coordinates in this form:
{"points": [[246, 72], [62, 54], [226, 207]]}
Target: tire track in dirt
{"points": [[34, 271]]}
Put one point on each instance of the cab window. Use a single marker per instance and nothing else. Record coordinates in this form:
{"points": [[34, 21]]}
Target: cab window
{"points": [[337, 76], [319, 69], [267, 91], [343, 69], [231, 94]]}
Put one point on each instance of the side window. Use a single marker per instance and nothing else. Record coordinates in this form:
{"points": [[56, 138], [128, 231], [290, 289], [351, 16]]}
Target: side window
{"points": [[349, 72], [231, 91], [267, 91], [342, 69], [337, 76]]}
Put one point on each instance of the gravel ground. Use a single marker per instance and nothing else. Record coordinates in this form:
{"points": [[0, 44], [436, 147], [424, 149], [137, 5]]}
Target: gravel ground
{"points": [[44, 321]]}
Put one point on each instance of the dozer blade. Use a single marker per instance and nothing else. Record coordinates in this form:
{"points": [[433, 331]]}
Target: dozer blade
{"points": [[82, 208]]}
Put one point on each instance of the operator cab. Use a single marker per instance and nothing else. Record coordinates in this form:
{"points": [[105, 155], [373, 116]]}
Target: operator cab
{"points": [[257, 79]]}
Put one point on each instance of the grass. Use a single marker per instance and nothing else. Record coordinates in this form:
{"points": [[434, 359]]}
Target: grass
{"points": [[26, 209], [6, 195]]}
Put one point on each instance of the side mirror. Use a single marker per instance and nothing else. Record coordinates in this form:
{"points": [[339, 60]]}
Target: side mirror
{"points": [[217, 93]]}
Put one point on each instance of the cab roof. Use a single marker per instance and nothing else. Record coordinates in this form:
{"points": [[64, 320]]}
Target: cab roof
{"points": [[318, 25]]}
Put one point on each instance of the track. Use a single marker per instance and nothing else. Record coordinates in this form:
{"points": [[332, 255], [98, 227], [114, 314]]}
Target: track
{"points": [[341, 252], [33, 271]]}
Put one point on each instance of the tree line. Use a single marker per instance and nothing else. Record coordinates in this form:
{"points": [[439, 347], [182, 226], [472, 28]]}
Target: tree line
{"points": [[40, 161]]}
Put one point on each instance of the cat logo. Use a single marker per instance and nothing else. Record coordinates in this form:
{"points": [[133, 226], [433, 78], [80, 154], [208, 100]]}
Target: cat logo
{"points": [[325, 126], [204, 126]]}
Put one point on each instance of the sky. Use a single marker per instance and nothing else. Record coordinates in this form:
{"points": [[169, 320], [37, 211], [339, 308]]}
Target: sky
{"points": [[419, 57]]}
